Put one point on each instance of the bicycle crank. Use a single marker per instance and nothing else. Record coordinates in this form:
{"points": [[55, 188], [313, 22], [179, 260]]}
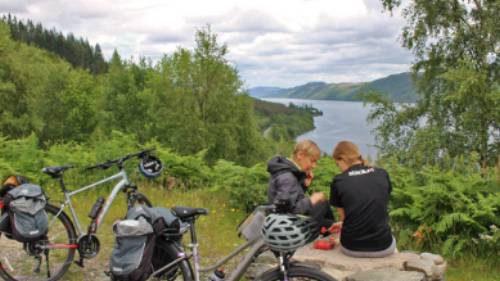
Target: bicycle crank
{"points": [[88, 246]]}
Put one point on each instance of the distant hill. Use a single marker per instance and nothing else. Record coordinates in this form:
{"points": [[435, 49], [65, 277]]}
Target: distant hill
{"points": [[398, 87]]}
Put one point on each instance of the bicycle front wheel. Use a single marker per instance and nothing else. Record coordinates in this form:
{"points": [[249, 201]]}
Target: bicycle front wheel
{"points": [[47, 259], [296, 273]]}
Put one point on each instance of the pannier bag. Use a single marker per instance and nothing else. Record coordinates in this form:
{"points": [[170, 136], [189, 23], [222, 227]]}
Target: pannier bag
{"points": [[133, 251], [26, 210], [136, 236]]}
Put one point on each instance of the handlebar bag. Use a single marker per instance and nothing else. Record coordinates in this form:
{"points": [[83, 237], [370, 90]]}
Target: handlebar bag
{"points": [[26, 209], [131, 258]]}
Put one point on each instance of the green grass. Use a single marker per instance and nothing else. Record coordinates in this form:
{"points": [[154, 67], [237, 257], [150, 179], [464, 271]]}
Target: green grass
{"points": [[471, 269]]}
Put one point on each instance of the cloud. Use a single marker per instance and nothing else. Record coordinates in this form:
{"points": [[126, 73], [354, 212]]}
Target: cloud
{"points": [[250, 21], [167, 36], [13, 7], [272, 43]]}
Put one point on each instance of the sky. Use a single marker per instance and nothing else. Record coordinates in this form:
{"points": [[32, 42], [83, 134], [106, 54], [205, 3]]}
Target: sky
{"points": [[281, 43]]}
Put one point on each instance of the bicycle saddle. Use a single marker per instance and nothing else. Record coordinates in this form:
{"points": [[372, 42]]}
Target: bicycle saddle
{"points": [[187, 212], [56, 171]]}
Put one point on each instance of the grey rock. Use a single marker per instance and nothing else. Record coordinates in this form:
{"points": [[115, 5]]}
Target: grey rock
{"points": [[436, 258], [421, 265], [386, 275]]}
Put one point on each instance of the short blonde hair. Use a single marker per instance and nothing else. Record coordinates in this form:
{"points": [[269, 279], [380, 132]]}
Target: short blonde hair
{"points": [[307, 146]]}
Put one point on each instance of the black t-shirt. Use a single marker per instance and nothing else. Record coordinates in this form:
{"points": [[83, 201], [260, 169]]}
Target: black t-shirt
{"points": [[363, 193]]}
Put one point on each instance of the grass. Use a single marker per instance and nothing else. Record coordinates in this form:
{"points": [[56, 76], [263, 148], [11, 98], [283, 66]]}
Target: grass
{"points": [[217, 232], [472, 269]]}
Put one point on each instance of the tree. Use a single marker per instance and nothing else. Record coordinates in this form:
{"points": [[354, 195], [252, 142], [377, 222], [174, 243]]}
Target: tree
{"points": [[456, 45]]}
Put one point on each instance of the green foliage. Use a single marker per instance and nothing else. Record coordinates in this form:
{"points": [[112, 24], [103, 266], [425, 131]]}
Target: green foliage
{"points": [[190, 101], [42, 94], [456, 44], [444, 210], [283, 123], [78, 52]]}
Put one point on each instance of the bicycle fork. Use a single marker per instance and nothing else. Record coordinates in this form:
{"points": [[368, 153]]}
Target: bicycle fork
{"points": [[283, 265]]}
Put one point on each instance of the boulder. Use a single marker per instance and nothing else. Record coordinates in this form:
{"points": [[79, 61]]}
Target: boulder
{"points": [[339, 266], [432, 265], [386, 275], [425, 266]]}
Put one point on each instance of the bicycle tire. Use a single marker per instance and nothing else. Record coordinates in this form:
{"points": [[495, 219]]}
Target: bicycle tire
{"points": [[296, 273], [166, 252], [17, 261]]}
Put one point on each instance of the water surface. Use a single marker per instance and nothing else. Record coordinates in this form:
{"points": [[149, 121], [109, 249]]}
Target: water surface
{"points": [[341, 120]]}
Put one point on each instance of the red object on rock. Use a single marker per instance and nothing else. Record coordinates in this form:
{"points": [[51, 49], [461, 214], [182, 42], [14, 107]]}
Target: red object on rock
{"points": [[324, 244], [1, 204]]}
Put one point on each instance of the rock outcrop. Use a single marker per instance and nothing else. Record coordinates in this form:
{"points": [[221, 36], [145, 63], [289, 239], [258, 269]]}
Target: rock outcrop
{"points": [[407, 266]]}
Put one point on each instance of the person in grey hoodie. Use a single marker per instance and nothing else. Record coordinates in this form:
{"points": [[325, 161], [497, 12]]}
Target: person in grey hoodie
{"points": [[290, 179]]}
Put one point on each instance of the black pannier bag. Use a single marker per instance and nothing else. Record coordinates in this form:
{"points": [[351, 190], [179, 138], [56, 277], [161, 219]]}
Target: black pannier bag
{"points": [[25, 207], [168, 243], [133, 256]]}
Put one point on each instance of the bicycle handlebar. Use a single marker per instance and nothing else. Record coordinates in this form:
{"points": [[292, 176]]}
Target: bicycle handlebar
{"points": [[110, 163]]}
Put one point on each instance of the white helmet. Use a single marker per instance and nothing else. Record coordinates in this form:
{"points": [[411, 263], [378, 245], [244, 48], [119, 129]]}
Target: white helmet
{"points": [[288, 232]]}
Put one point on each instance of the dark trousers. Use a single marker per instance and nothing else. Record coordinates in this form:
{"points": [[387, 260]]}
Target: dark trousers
{"points": [[322, 214]]}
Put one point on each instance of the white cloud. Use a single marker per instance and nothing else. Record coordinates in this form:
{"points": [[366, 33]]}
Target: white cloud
{"points": [[272, 42]]}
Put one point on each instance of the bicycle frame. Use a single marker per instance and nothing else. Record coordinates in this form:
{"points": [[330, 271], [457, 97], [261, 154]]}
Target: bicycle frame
{"points": [[68, 195]]}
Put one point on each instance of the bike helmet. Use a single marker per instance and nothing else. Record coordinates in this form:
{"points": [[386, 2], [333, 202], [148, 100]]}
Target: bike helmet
{"points": [[150, 166], [288, 232]]}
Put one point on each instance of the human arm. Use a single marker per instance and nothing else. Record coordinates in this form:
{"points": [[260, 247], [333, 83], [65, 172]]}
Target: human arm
{"points": [[287, 185]]}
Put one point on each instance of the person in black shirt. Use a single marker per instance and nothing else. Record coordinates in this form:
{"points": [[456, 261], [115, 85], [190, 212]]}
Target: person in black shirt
{"points": [[361, 195]]}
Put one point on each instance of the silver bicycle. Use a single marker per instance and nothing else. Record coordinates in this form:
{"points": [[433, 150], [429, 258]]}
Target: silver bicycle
{"points": [[49, 258], [177, 263]]}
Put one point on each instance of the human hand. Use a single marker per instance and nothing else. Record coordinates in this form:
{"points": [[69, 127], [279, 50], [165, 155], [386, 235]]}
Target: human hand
{"points": [[309, 178], [336, 227], [317, 197]]}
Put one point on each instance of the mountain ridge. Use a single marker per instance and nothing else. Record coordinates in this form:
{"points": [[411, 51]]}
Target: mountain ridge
{"points": [[397, 87]]}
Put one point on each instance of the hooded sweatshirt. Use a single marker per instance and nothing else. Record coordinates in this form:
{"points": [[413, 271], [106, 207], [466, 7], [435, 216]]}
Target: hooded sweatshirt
{"points": [[287, 181]]}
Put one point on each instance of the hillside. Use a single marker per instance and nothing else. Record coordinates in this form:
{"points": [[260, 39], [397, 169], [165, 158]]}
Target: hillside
{"points": [[398, 87], [279, 121]]}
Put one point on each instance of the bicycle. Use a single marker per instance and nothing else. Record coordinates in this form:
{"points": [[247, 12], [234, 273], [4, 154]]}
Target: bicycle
{"points": [[180, 265], [23, 261]]}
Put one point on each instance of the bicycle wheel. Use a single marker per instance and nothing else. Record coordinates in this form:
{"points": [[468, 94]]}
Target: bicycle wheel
{"points": [[47, 259], [165, 253], [296, 273]]}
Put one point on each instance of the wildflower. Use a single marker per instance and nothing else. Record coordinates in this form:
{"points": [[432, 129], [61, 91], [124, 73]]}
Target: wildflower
{"points": [[419, 236], [486, 237]]}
